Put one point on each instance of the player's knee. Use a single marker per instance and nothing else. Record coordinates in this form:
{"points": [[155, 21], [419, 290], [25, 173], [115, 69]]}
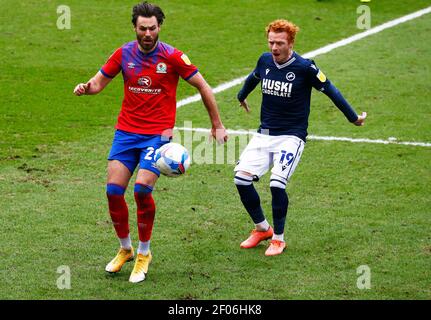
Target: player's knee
{"points": [[142, 189], [114, 190], [242, 179], [277, 182]]}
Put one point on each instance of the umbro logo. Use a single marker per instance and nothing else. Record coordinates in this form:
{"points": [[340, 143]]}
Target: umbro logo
{"points": [[130, 65]]}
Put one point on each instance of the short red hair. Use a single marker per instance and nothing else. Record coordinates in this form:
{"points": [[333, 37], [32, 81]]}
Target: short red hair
{"points": [[282, 25]]}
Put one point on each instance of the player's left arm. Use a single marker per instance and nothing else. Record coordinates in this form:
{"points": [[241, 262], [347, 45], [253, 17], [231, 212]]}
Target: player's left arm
{"points": [[337, 98], [322, 83], [218, 131]]}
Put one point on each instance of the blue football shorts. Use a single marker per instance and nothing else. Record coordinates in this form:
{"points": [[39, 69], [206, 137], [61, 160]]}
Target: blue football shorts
{"points": [[131, 149]]}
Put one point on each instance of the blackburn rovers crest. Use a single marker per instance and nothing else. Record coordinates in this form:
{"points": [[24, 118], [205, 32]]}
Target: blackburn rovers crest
{"points": [[161, 68]]}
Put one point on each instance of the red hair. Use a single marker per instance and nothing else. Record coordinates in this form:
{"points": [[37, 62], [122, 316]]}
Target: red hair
{"points": [[281, 25]]}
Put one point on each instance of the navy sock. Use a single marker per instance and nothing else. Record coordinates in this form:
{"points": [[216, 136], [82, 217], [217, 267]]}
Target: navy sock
{"points": [[280, 202], [251, 201]]}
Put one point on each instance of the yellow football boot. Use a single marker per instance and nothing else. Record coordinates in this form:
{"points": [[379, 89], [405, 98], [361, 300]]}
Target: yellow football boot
{"points": [[123, 256], [141, 267]]}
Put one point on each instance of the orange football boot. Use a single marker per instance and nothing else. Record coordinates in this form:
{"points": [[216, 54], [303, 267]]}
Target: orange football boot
{"points": [[256, 237], [276, 247]]}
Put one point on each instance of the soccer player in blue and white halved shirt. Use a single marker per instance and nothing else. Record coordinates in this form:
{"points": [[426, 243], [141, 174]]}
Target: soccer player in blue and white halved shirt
{"points": [[286, 82]]}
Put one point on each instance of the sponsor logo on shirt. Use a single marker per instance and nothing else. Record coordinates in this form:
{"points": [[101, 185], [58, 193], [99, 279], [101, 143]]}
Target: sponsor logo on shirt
{"points": [[277, 88], [144, 90], [144, 81]]}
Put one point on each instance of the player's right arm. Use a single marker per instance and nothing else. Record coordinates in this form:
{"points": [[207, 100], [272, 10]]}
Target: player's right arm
{"points": [[103, 77], [250, 84], [93, 86]]}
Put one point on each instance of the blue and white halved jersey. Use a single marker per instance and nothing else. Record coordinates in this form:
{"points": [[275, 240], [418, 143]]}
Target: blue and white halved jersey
{"points": [[286, 94]]}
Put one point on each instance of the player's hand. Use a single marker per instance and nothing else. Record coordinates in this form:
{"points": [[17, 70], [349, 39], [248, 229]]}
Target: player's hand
{"points": [[244, 104], [361, 119], [82, 88], [219, 134]]}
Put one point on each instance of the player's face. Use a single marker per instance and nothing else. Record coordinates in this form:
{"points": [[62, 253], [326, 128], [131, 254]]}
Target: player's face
{"points": [[280, 48], [147, 32]]}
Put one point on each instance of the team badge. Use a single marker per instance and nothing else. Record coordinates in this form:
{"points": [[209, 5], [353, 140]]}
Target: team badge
{"points": [[321, 76], [186, 59], [130, 65], [144, 81], [161, 68], [290, 76]]}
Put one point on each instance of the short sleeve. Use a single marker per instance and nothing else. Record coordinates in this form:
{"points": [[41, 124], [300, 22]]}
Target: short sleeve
{"points": [[113, 66], [183, 65], [318, 79]]}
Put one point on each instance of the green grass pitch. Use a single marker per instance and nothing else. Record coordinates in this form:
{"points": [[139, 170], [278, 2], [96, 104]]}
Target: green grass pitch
{"points": [[351, 204]]}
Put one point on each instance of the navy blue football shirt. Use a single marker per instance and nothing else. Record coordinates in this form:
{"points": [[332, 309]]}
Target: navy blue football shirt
{"points": [[286, 94]]}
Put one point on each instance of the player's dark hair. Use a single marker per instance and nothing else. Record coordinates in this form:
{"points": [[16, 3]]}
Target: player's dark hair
{"points": [[147, 10]]}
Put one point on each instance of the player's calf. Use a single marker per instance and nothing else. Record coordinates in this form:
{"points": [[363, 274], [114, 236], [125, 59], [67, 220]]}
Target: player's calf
{"points": [[249, 196], [146, 210], [118, 209], [280, 203]]}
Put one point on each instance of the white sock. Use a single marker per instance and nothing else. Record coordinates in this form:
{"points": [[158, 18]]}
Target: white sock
{"points": [[144, 247], [279, 237], [126, 243], [262, 226]]}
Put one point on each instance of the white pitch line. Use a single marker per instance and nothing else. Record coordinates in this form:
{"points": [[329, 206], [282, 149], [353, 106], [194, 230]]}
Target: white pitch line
{"points": [[320, 138], [322, 50]]}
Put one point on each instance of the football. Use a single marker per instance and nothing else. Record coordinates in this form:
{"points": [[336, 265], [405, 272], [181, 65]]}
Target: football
{"points": [[172, 159]]}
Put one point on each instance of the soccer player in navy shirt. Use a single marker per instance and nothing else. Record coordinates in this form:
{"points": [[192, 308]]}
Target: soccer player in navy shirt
{"points": [[286, 83], [151, 70]]}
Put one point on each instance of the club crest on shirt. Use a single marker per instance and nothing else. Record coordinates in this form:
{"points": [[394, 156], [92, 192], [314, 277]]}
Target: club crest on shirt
{"points": [[186, 59], [144, 81], [161, 68], [290, 76]]}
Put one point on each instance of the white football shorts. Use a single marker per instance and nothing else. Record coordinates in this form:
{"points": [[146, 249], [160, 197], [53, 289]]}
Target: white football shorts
{"points": [[282, 152]]}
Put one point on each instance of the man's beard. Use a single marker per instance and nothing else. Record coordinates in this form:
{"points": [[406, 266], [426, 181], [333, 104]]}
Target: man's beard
{"points": [[147, 46]]}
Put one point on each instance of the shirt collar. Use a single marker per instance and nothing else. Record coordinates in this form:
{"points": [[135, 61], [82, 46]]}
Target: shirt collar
{"points": [[287, 63], [156, 49]]}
